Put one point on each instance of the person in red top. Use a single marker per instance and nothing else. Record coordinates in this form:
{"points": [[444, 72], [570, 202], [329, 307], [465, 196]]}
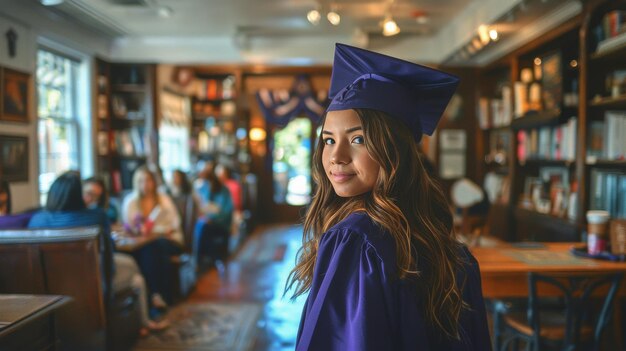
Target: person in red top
{"points": [[225, 176]]}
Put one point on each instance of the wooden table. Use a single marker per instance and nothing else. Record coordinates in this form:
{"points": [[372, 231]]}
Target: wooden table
{"points": [[27, 322], [504, 267]]}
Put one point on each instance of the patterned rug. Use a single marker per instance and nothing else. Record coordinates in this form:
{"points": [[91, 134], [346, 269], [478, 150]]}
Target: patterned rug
{"points": [[206, 327]]}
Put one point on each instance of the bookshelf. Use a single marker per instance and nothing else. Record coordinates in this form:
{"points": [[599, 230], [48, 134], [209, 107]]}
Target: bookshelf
{"points": [[590, 87], [603, 108], [219, 121], [125, 121], [540, 81]]}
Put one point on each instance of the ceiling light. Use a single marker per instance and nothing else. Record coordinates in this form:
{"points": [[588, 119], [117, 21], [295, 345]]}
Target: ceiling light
{"points": [[165, 11], [390, 27], [333, 17], [493, 34], [50, 2], [314, 17], [483, 33], [537, 61]]}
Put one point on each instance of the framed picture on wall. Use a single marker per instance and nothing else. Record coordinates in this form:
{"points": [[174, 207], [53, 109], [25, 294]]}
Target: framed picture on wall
{"points": [[14, 158], [14, 98], [552, 81]]}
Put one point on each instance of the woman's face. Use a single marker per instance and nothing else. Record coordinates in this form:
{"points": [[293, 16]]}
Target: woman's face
{"points": [[347, 163], [91, 194], [146, 184]]}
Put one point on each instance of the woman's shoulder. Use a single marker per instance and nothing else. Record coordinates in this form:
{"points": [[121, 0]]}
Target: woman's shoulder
{"points": [[361, 227]]}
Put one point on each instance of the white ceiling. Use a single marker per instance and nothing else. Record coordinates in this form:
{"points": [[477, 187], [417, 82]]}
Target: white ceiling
{"points": [[277, 31]]}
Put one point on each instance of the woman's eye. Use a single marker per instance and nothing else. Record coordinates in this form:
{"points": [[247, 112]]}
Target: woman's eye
{"points": [[358, 140], [328, 141]]}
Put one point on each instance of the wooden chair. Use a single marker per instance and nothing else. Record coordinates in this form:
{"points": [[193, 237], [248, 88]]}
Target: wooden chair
{"points": [[569, 323], [186, 264], [71, 261]]}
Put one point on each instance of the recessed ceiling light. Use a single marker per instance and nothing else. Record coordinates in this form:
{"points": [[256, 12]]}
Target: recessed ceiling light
{"points": [[314, 17], [493, 34], [390, 27], [334, 18]]}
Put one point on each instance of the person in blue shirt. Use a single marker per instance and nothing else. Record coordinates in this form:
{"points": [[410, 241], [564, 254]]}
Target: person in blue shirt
{"points": [[380, 262], [212, 232]]}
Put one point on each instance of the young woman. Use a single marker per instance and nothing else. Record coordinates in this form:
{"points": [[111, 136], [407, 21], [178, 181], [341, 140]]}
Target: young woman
{"points": [[379, 259], [152, 215], [212, 231]]}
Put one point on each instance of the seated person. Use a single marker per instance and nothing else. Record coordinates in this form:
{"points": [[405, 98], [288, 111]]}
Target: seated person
{"points": [[225, 176], [65, 208], [96, 195], [212, 231], [152, 215], [180, 188], [7, 219]]}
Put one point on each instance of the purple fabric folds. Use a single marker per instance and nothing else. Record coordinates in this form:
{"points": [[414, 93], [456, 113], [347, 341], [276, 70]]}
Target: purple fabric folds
{"points": [[356, 303]]}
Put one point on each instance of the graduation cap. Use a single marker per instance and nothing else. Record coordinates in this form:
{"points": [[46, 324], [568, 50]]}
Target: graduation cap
{"points": [[415, 94]]}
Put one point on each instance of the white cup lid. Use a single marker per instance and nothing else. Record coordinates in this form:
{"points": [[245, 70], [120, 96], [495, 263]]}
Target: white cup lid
{"points": [[597, 217]]}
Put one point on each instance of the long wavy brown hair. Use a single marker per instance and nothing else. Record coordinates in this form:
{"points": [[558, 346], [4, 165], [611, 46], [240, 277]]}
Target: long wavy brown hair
{"points": [[406, 202]]}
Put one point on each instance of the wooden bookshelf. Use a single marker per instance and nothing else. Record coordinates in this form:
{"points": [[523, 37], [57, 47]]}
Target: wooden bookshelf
{"points": [[126, 118]]}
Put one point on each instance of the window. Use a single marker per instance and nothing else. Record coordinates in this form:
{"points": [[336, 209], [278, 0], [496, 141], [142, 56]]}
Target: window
{"points": [[58, 129], [174, 132]]}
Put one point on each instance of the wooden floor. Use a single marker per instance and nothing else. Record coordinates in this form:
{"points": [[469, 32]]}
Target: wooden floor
{"points": [[257, 273]]}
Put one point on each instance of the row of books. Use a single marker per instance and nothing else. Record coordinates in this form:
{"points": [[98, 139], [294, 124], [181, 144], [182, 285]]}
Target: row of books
{"points": [[214, 89], [548, 143], [606, 138], [608, 192], [493, 113], [126, 142]]}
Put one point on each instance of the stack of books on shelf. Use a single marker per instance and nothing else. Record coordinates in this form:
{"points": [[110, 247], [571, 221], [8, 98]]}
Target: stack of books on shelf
{"points": [[494, 113], [126, 142], [611, 31], [548, 143], [606, 138]]}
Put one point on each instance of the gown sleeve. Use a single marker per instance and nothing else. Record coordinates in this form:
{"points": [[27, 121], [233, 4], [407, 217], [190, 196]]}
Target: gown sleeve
{"points": [[347, 307], [473, 327]]}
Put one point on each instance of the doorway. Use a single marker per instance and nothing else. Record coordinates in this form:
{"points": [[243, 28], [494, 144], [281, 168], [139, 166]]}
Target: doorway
{"points": [[291, 169]]}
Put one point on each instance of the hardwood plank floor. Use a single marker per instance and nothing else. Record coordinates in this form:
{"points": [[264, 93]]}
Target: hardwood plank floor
{"points": [[257, 273]]}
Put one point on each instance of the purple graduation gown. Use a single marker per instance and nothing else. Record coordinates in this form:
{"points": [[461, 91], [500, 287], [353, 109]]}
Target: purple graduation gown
{"points": [[356, 304]]}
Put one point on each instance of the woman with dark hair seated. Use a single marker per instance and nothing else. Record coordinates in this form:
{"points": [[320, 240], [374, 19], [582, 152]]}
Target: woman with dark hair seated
{"points": [[65, 208]]}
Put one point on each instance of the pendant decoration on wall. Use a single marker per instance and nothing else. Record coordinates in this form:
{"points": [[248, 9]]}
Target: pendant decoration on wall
{"points": [[280, 107], [11, 42]]}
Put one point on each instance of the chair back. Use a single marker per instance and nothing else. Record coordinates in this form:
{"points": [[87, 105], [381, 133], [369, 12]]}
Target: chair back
{"points": [[188, 209], [60, 262], [579, 294]]}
